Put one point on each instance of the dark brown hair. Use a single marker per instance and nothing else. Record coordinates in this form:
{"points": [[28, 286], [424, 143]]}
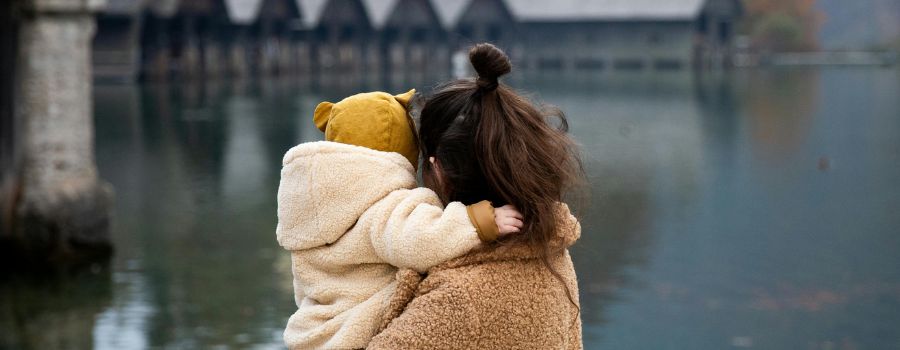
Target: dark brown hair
{"points": [[491, 143]]}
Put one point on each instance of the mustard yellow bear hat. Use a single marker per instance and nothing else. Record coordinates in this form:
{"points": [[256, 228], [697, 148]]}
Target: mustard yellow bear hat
{"points": [[376, 120]]}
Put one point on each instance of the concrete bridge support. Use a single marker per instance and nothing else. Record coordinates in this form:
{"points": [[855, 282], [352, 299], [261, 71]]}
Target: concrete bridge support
{"points": [[63, 207]]}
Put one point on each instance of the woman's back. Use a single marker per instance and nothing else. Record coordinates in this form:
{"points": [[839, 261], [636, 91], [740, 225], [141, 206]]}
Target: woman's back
{"points": [[483, 140], [498, 297]]}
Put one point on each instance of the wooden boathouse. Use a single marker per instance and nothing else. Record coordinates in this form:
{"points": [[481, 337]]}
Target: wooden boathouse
{"points": [[206, 39]]}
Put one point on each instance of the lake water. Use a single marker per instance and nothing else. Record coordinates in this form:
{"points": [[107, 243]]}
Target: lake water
{"points": [[756, 209]]}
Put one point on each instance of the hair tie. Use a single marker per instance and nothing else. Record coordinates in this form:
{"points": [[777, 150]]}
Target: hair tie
{"points": [[487, 85]]}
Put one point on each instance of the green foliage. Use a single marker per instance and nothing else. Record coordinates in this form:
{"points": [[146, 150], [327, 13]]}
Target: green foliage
{"points": [[779, 32], [782, 25]]}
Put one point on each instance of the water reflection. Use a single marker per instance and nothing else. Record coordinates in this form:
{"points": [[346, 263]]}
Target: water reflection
{"points": [[710, 222], [643, 146], [728, 223], [122, 324], [780, 107], [55, 311], [203, 213]]}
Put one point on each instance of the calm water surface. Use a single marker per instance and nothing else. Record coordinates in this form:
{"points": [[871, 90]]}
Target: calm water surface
{"points": [[752, 210]]}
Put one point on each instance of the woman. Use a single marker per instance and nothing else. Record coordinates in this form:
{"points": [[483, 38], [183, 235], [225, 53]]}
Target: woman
{"points": [[482, 140]]}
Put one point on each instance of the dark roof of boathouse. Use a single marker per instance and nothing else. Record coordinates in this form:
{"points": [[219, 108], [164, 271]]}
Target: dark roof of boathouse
{"points": [[239, 11], [340, 13], [447, 12], [485, 11], [280, 9], [162, 8], [399, 13], [124, 7]]}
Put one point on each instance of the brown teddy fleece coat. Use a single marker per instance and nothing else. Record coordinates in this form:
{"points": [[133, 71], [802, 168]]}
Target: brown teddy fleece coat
{"points": [[496, 297]]}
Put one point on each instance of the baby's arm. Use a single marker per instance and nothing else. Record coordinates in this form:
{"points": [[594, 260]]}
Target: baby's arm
{"points": [[508, 219], [491, 223], [419, 233]]}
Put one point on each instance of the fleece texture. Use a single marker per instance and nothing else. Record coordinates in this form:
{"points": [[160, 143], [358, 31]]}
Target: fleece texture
{"points": [[374, 120], [500, 296], [350, 217]]}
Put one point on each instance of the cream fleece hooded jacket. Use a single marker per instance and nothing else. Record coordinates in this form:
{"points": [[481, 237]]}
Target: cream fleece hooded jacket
{"points": [[350, 217]]}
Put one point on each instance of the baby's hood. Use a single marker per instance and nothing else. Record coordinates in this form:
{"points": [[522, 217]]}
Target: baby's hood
{"points": [[326, 186]]}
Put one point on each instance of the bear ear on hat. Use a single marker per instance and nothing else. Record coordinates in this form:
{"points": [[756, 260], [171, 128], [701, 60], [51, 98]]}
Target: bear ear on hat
{"points": [[404, 98], [322, 115]]}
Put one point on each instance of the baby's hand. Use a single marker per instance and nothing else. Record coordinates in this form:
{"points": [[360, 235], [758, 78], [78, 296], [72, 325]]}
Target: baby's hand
{"points": [[508, 219]]}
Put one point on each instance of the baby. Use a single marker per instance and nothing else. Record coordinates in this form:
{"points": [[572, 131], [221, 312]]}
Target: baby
{"points": [[351, 214]]}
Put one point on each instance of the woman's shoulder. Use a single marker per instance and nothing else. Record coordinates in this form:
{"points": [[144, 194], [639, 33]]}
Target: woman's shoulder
{"points": [[483, 278], [516, 251], [520, 297]]}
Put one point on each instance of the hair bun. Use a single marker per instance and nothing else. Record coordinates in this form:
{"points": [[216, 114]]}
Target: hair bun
{"points": [[490, 63]]}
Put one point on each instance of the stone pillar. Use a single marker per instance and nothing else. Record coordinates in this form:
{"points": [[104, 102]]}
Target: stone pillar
{"points": [[157, 55], [64, 208], [302, 55], [239, 66], [212, 57], [191, 63], [283, 64], [712, 42], [266, 49], [8, 39], [312, 41], [334, 49]]}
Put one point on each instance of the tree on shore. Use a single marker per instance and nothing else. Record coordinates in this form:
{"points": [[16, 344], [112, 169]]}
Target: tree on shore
{"points": [[783, 25]]}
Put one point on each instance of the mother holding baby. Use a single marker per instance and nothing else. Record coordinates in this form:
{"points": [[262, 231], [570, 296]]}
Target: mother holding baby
{"points": [[482, 140], [360, 231]]}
